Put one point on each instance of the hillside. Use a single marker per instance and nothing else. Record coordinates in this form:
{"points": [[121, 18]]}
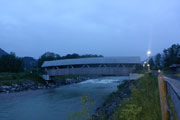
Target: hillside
{"points": [[29, 63], [2, 52]]}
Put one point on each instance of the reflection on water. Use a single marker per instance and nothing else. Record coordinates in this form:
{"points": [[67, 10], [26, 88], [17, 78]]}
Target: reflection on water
{"points": [[55, 104]]}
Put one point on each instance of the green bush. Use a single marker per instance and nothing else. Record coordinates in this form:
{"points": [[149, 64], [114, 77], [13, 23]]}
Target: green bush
{"points": [[85, 112], [129, 112]]}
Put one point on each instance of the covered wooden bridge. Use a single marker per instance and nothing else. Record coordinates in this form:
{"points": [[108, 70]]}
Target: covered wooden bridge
{"points": [[121, 66]]}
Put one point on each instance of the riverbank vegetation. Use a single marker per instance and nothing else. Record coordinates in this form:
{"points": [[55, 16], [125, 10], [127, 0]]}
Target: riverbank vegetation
{"points": [[178, 74], [11, 63], [19, 78], [113, 95], [85, 113], [143, 102]]}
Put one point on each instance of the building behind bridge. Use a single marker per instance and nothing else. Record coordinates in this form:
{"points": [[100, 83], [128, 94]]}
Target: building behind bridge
{"points": [[175, 68], [120, 66]]}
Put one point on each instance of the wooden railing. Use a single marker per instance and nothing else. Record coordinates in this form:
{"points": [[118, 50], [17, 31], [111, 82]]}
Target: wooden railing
{"points": [[171, 87]]}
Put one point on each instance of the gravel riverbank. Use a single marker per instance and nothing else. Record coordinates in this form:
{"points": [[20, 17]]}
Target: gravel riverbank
{"points": [[31, 85]]}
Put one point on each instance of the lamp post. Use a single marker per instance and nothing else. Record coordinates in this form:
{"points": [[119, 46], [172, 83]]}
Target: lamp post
{"points": [[148, 55]]}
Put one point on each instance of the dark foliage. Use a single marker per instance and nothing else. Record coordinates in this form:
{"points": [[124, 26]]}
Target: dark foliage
{"points": [[11, 63], [172, 55], [2, 52], [168, 57], [29, 63], [48, 56]]}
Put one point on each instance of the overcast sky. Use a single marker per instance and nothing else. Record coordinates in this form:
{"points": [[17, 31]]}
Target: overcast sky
{"points": [[107, 27]]}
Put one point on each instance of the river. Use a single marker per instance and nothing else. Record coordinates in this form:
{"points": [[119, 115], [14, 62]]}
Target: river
{"points": [[56, 104]]}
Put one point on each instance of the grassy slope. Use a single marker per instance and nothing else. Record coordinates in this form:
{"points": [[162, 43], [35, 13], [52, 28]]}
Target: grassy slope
{"points": [[144, 103], [19, 78], [178, 74]]}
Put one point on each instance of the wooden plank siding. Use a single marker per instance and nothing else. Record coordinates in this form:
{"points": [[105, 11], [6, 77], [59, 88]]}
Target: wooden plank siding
{"points": [[123, 71]]}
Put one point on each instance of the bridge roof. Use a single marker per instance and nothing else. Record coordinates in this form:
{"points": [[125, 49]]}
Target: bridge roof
{"points": [[98, 60]]}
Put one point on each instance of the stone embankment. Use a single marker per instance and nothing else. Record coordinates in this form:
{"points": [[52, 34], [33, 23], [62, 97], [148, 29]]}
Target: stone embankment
{"points": [[24, 87], [30, 85], [114, 99], [109, 107]]}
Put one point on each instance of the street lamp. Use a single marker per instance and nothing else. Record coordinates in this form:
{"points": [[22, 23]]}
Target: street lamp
{"points": [[148, 55]]}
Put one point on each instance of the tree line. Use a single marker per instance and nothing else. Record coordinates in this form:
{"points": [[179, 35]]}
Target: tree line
{"points": [[169, 57], [12, 63], [48, 56]]}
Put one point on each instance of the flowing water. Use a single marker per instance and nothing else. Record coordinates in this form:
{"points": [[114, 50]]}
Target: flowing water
{"points": [[56, 104]]}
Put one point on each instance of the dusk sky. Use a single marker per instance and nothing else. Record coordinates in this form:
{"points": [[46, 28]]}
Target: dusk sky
{"points": [[107, 27]]}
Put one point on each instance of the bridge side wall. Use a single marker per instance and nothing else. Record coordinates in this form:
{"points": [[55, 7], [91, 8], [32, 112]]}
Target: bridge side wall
{"points": [[121, 71]]}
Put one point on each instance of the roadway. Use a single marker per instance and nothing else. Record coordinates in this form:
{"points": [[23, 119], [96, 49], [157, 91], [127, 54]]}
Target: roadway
{"points": [[175, 82]]}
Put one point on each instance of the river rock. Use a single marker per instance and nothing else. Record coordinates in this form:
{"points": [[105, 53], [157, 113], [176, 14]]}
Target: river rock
{"points": [[6, 87], [13, 89], [109, 108]]}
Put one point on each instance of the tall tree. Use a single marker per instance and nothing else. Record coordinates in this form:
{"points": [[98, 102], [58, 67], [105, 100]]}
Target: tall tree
{"points": [[71, 56], [11, 63], [152, 65], [48, 56], [158, 61], [172, 55]]}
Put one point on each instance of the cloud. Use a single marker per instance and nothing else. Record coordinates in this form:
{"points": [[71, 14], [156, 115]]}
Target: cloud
{"points": [[111, 28]]}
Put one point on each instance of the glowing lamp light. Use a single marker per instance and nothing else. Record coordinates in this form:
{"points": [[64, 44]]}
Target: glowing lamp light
{"points": [[148, 52]]}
